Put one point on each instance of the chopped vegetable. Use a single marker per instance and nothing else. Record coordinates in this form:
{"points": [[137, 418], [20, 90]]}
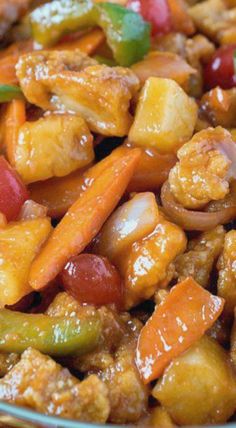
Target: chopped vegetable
{"points": [[220, 70], [180, 19], [167, 65], [185, 315], [20, 242], [127, 34], [165, 116], [13, 191], [194, 220], [14, 118], [9, 92], [156, 12], [51, 335], [84, 219], [88, 43], [199, 386], [152, 170], [93, 279], [132, 221]]}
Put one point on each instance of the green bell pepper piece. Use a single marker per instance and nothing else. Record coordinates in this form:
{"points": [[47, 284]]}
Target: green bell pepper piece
{"points": [[57, 336], [52, 20], [128, 35], [10, 92]]}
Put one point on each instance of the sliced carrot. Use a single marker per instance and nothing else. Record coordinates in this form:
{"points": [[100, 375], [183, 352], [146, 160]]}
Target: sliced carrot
{"points": [[88, 43], [181, 20], [17, 48], [15, 117], [184, 316], [7, 70], [152, 170], [59, 193], [85, 218]]}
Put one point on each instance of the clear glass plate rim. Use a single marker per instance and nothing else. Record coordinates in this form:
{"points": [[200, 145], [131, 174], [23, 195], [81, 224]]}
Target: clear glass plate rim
{"points": [[28, 415]]}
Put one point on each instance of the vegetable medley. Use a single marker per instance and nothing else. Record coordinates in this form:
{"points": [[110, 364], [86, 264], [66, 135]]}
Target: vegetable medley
{"points": [[118, 210]]}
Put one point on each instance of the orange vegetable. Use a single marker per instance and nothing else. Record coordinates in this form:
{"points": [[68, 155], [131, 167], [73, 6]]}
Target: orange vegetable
{"points": [[17, 48], [86, 216], [164, 64], [58, 193], [15, 117], [152, 170], [7, 70], [181, 20], [184, 316], [87, 43]]}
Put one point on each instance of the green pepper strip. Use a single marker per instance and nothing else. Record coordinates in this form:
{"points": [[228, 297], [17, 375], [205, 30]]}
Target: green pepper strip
{"points": [[128, 35], [10, 92], [57, 336]]}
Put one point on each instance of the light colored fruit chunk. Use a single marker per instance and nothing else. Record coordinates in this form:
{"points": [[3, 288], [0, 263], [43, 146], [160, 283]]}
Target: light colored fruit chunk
{"points": [[165, 117], [199, 387], [19, 244]]}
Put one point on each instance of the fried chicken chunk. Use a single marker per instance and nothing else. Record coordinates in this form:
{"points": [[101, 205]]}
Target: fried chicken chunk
{"points": [[52, 146], [112, 361], [227, 272], [69, 81], [148, 263], [202, 252], [40, 383], [204, 168]]}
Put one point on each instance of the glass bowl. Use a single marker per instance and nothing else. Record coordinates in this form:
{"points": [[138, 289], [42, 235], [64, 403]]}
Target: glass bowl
{"points": [[19, 417]]}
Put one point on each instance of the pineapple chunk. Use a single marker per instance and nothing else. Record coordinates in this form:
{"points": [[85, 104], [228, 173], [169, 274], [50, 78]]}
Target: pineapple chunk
{"points": [[165, 117], [199, 387], [52, 146], [19, 244]]}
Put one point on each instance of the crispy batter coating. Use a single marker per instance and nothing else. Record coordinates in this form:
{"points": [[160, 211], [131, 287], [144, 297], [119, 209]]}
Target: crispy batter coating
{"points": [[200, 256], [53, 146], [148, 264], [201, 173], [227, 272], [40, 383], [69, 81]]}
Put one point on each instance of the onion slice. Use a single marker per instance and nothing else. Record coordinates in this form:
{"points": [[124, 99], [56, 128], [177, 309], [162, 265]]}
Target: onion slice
{"points": [[194, 220]]}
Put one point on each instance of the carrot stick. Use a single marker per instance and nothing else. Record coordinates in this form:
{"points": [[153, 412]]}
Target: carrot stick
{"points": [[59, 193], [15, 117], [182, 319], [7, 70], [85, 218], [87, 43]]}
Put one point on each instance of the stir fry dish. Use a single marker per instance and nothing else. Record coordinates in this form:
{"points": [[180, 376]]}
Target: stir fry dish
{"points": [[118, 210]]}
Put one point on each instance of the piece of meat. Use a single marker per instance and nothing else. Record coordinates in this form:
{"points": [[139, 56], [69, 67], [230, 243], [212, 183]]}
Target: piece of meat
{"points": [[201, 254], [204, 168], [226, 285], [112, 361], [100, 94], [40, 383]]}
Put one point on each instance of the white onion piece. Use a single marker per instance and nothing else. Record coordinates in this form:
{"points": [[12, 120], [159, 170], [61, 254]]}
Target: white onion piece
{"points": [[31, 209], [193, 220], [130, 222]]}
